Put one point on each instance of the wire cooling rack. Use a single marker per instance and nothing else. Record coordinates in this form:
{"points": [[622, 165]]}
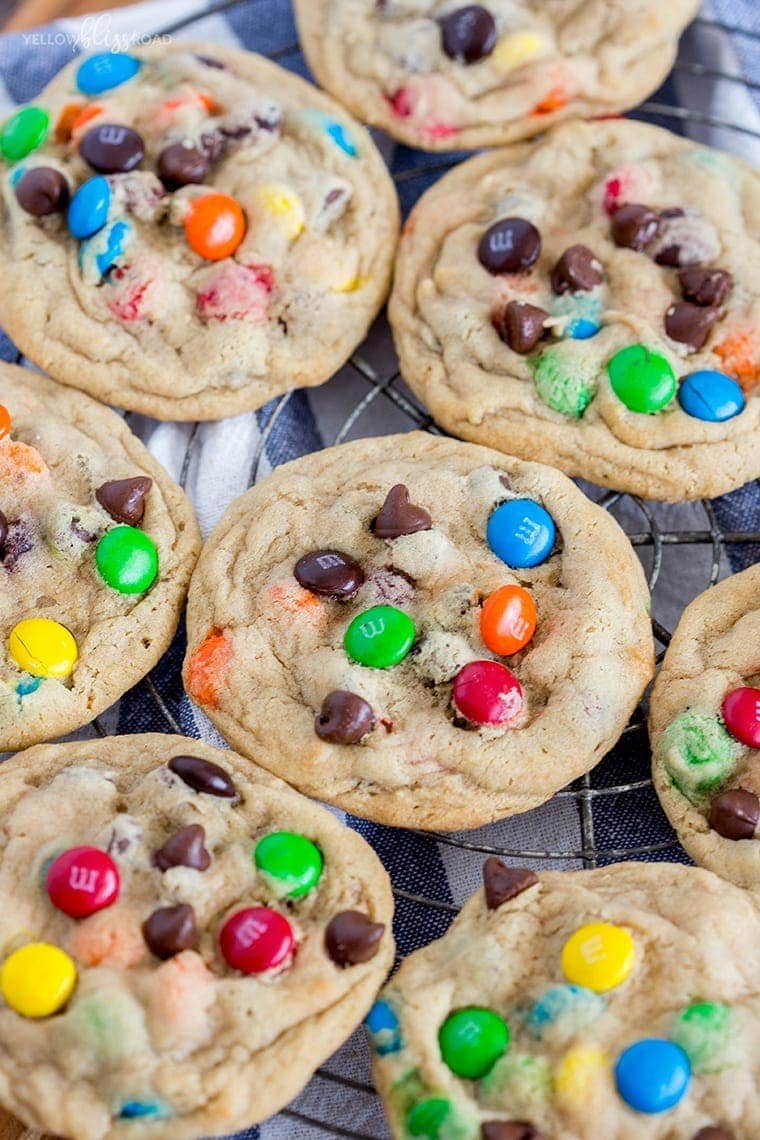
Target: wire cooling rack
{"points": [[333, 1101]]}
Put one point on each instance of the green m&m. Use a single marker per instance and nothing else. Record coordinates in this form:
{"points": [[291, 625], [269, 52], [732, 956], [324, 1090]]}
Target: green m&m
{"points": [[379, 637], [290, 862], [644, 381], [698, 753], [23, 133], [428, 1117], [472, 1040], [127, 560], [706, 1032]]}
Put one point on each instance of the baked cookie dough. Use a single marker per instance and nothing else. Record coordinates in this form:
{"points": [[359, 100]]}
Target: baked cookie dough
{"points": [[592, 300], [176, 961], [96, 548], [421, 631], [620, 1002], [189, 234], [451, 76], [704, 724]]}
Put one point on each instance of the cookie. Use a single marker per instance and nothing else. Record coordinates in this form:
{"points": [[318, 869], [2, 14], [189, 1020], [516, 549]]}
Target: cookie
{"points": [[178, 960], [188, 235], [448, 76], [96, 548], [705, 729], [421, 631], [593, 301], [620, 1002]]}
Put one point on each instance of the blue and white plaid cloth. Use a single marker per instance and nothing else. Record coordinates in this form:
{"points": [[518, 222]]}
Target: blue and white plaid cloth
{"points": [[221, 466]]}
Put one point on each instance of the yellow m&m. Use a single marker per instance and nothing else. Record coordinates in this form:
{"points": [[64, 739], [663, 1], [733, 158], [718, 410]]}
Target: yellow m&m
{"points": [[43, 647], [37, 980], [283, 204], [598, 956], [577, 1074], [517, 48]]}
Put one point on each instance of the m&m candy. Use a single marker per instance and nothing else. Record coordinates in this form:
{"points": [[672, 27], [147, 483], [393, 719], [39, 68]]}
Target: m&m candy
{"points": [[215, 226], [256, 940], [23, 133], [5, 422], [521, 532], [88, 211], [569, 1007], [292, 863], [341, 137], [38, 979], [599, 956], [487, 693], [642, 380], [383, 1026], [706, 1031], [472, 1040], [127, 560], [380, 637], [106, 70], [741, 714], [82, 881], [711, 396], [427, 1117], [508, 620], [652, 1075], [43, 648]]}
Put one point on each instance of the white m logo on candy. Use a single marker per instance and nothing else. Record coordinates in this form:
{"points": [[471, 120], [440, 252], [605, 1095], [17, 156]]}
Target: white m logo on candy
{"points": [[83, 879], [374, 628], [112, 134]]}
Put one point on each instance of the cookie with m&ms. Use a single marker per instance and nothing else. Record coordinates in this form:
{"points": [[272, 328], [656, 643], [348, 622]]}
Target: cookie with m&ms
{"points": [[200, 938], [188, 232], [704, 725], [618, 1002], [423, 632], [454, 76], [590, 300], [96, 548]]}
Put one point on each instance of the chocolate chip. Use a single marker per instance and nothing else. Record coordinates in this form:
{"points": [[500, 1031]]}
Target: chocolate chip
{"points": [[510, 1130], [124, 499], [713, 1133], [180, 165], [19, 540], [81, 532], [329, 573], [170, 930], [469, 33], [208, 61], [398, 516], [344, 718], [3, 533], [735, 814], [352, 937], [521, 325], [634, 227], [112, 148], [213, 144], [689, 324], [186, 848], [203, 776], [577, 271], [511, 245], [502, 883], [42, 191], [705, 286]]}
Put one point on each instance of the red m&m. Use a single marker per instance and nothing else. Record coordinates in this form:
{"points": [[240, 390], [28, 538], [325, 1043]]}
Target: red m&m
{"points": [[508, 620], [741, 712], [256, 940], [82, 881], [486, 692]]}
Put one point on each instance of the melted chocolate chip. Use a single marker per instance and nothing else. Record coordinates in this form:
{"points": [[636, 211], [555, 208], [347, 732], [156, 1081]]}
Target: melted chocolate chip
{"points": [[3, 533], [705, 286], [203, 776], [42, 191], [468, 34], [209, 61], [170, 930], [213, 145], [577, 271], [689, 324], [511, 245], [19, 540], [180, 165], [634, 227], [713, 1133], [329, 573], [521, 326], [398, 516], [735, 814], [502, 883], [112, 148], [186, 848], [344, 718], [352, 937], [124, 499], [84, 535], [510, 1130]]}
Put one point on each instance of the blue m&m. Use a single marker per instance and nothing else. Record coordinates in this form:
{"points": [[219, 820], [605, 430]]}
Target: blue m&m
{"points": [[521, 532], [582, 328], [106, 70], [382, 1024], [712, 396], [106, 248], [652, 1075], [89, 207]]}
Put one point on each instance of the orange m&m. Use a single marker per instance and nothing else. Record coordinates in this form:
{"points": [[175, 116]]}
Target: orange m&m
{"points": [[215, 226], [5, 422], [508, 620]]}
